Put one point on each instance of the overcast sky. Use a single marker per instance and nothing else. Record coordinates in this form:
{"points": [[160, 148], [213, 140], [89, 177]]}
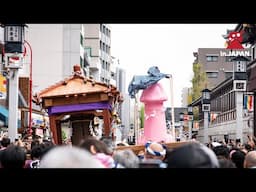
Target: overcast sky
{"points": [[168, 46]]}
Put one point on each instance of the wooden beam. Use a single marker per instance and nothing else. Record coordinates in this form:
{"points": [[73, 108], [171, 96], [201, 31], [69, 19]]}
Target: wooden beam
{"points": [[47, 102], [103, 97], [33, 110], [59, 133], [107, 122], [64, 100], [137, 148], [23, 120], [94, 112], [52, 120], [61, 116]]}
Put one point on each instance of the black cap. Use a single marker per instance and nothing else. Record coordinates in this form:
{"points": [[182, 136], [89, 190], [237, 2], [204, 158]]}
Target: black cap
{"points": [[192, 155]]}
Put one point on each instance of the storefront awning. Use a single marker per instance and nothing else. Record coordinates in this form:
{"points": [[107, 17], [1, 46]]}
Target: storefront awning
{"points": [[4, 113]]}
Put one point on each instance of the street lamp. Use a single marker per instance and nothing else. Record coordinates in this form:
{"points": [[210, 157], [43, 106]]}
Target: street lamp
{"points": [[13, 53], [206, 109], [181, 124], [190, 120], [239, 86], [206, 100], [206, 95], [14, 38], [14, 44], [239, 73]]}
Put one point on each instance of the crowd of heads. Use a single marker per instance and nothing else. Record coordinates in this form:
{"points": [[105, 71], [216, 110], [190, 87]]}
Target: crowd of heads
{"points": [[24, 153], [103, 153]]}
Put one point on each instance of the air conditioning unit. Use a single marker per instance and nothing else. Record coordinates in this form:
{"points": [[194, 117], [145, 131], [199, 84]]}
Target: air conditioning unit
{"points": [[206, 107], [239, 85]]}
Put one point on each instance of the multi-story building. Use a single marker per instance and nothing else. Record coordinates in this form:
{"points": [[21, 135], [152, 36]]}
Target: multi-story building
{"points": [[230, 114], [56, 48], [63, 45], [125, 106], [97, 38], [249, 38], [118, 78], [217, 64], [114, 71]]}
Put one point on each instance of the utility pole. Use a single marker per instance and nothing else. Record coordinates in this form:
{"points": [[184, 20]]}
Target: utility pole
{"points": [[206, 108], [13, 103], [239, 86], [13, 53], [172, 109]]}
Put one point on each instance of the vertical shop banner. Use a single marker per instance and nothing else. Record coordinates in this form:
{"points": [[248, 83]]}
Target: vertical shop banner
{"points": [[3, 83], [248, 102]]}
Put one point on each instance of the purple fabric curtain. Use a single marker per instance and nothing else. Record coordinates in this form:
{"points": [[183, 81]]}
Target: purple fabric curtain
{"points": [[78, 107]]}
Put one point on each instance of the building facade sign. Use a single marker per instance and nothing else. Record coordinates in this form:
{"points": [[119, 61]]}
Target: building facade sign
{"points": [[235, 53], [234, 45]]}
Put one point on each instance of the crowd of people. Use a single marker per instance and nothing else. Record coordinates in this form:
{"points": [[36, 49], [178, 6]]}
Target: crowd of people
{"points": [[102, 153]]}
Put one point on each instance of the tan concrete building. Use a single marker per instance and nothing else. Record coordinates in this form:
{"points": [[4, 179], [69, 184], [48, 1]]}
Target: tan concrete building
{"points": [[97, 40], [217, 64]]}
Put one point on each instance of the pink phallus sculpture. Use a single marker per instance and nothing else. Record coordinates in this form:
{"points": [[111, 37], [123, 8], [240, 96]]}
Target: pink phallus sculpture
{"points": [[154, 124]]}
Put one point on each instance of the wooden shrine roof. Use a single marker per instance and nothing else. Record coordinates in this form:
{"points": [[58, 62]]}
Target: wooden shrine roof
{"points": [[75, 85]]}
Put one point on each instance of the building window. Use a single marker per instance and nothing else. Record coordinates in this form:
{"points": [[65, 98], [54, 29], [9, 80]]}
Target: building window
{"points": [[212, 58], [112, 75], [101, 26], [104, 29], [81, 40], [101, 47], [104, 47], [107, 32], [212, 74], [228, 74], [102, 64], [88, 51], [85, 72], [107, 66], [229, 58], [81, 61], [109, 50]]}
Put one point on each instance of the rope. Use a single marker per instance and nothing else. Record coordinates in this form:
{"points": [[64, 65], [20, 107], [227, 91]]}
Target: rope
{"points": [[155, 153]]}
